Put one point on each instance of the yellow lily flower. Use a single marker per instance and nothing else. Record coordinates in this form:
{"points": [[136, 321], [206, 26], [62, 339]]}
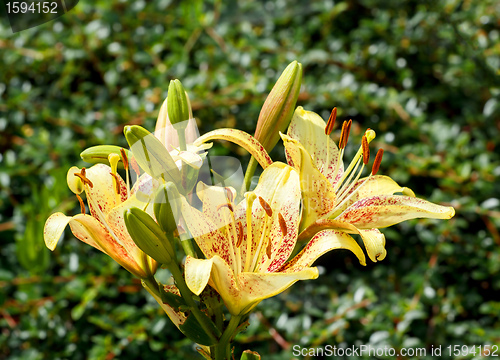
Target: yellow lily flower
{"points": [[338, 200], [246, 245], [108, 197]]}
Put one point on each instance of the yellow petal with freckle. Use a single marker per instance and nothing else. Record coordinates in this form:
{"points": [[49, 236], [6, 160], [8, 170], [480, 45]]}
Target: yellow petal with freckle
{"points": [[75, 184], [197, 273], [386, 210], [375, 185], [309, 129], [317, 192], [373, 239], [321, 243], [241, 138]]}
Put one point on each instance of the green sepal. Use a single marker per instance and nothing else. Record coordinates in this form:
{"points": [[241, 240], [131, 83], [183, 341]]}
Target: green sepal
{"points": [[193, 330], [166, 207], [151, 155], [177, 103], [148, 235], [99, 154], [250, 355]]}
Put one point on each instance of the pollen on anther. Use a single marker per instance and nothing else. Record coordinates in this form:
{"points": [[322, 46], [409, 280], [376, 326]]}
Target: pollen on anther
{"points": [[117, 183], [240, 234], [346, 134], [124, 158], [366, 150], [266, 207], [377, 161], [229, 194], [331, 122], [228, 205], [83, 178], [282, 222], [268, 250], [82, 205]]}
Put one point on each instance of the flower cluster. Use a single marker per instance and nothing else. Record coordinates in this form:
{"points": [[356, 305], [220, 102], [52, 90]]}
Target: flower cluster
{"points": [[240, 245]]}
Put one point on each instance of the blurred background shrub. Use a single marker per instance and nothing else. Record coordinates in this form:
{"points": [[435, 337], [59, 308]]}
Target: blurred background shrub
{"points": [[423, 74]]}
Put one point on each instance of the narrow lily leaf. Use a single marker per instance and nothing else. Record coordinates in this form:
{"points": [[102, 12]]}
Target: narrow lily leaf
{"points": [[151, 155], [241, 138], [177, 317], [387, 210], [193, 330], [321, 243], [309, 129], [317, 192]]}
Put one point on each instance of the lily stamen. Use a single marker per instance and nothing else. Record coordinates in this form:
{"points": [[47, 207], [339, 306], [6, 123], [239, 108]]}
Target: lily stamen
{"points": [[240, 234], [126, 166], [250, 198], [282, 222], [266, 207], [82, 205], [84, 179], [228, 205], [377, 161], [331, 122]]}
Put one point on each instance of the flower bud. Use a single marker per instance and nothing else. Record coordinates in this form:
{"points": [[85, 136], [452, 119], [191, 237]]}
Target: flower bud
{"points": [[99, 154], [250, 355], [166, 208], [178, 107], [279, 106], [151, 155], [148, 236]]}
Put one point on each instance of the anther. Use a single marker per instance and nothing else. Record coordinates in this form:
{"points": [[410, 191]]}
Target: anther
{"points": [[346, 134], [228, 205], [268, 249], [366, 150], [82, 205], [84, 179], [331, 122], [240, 234], [266, 207], [377, 161], [117, 183], [124, 158], [229, 194], [282, 222]]}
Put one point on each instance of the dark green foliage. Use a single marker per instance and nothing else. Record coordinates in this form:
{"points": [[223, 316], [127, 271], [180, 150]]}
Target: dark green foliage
{"points": [[423, 74]]}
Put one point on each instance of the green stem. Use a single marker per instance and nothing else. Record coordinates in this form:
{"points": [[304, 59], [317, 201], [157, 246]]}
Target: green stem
{"points": [[223, 349], [182, 139], [252, 166], [187, 295], [152, 284]]}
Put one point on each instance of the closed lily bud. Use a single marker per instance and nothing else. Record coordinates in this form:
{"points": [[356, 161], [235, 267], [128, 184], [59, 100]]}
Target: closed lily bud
{"points": [[166, 207], [148, 236], [178, 107], [151, 155], [100, 154], [279, 106]]}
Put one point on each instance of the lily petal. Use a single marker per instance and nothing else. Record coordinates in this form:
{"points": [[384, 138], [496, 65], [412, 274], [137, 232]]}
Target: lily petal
{"points": [[279, 187], [309, 129], [317, 192], [211, 240], [241, 138], [373, 186], [92, 232], [197, 273], [386, 210], [103, 193], [321, 243], [373, 239]]}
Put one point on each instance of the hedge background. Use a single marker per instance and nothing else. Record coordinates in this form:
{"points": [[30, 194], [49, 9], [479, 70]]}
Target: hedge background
{"points": [[423, 74]]}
